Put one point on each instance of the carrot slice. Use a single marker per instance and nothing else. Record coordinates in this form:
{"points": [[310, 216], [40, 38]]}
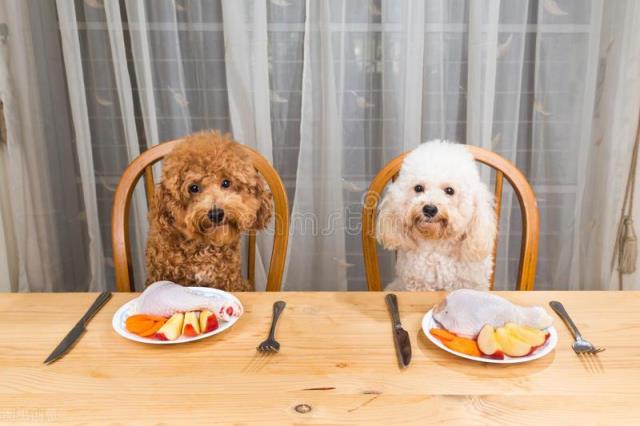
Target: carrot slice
{"points": [[140, 323], [139, 326], [442, 334], [462, 345], [142, 317], [157, 326]]}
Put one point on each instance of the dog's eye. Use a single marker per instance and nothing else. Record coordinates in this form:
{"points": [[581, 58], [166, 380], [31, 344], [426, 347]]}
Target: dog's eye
{"points": [[193, 188], [225, 183], [449, 190], [418, 188]]}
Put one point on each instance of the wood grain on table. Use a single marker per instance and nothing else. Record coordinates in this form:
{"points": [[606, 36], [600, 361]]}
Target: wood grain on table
{"points": [[337, 357]]}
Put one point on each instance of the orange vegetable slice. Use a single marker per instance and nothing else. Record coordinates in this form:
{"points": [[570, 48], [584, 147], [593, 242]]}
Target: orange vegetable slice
{"points": [[140, 317], [151, 331], [442, 334], [140, 323], [139, 326], [462, 345]]}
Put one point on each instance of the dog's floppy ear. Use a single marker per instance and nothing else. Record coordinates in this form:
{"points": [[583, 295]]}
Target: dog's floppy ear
{"points": [[165, 200], [161, 203], [391, 231], [263, 194], [480, 234]]}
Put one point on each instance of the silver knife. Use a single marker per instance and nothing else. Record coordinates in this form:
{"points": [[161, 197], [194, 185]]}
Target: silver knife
{"points": [[72, 337], [400, 335]]}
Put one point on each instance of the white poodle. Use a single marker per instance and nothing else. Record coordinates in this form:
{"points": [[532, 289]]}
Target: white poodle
{"points": [[440, 218]]}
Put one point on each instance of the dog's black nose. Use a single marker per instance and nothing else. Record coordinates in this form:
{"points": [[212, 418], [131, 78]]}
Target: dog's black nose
{"points": [[430, 210], [216, 215]]}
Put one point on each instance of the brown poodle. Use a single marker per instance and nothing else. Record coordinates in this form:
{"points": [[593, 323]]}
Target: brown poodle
{"points": [[209, 195]]}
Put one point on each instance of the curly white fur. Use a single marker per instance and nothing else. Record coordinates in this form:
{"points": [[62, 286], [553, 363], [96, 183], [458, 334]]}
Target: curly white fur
{"points": [[453, 248]]}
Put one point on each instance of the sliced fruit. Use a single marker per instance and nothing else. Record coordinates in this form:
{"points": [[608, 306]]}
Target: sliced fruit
{"points": [[190, 327], [534, 348], [531, 335], [511, 345], [463, 345], [488, 344], [172, 328], [442, 334], [208, 321]]}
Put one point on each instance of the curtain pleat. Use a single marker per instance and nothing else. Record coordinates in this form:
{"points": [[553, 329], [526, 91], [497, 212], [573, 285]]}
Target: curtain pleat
{"points": [[584, 137], [247, 70], [483, 46], [403, 49], [138, 224], [507, 133], [177, 82], [317, 255], [615, 120], [138, 30], [77, 95]]}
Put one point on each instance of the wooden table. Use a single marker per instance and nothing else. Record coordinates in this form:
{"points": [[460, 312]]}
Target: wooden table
{"points": [[337, 358]]}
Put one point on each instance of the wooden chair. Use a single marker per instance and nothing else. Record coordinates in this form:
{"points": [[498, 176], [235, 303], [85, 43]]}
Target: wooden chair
{"points": [[503, 168], [142, 165]]}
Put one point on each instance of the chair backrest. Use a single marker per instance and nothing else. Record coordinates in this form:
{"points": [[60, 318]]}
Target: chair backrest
{"points": [[504, 169], [143, 165]]}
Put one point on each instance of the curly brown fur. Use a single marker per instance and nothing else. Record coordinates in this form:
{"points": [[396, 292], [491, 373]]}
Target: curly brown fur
{"points": [[187, 243]]}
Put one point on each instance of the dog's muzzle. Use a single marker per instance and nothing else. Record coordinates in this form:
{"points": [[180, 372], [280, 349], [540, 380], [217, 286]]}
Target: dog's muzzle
{"points": [[429, 210], [216, 215]]}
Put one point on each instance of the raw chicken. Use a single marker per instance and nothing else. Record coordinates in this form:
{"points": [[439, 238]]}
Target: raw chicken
{"points": [[465, 312], [165, 298]]}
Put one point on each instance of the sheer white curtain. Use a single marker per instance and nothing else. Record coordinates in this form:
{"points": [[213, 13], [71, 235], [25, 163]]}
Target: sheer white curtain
{"points": [[329, 91], [247, 70], [606, 162], [43, 217], [317, 251]]}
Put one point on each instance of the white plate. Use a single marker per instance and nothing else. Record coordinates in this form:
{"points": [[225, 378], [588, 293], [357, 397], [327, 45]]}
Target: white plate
{"points": [[125, 312], [428, 323]]}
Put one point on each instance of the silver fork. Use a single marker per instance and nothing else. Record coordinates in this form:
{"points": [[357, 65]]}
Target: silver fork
{"points": [[271, 344], [581, 345]]}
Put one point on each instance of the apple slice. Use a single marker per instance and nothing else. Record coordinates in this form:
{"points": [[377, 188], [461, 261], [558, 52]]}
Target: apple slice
{"points": [[488, 344], [531, 335], [510, 344], [171, 329], [190, 327], [208, 321]]}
